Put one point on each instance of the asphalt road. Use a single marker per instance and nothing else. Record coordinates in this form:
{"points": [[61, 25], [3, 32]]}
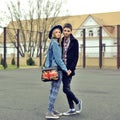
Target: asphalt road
{"points": [[23, 96]]}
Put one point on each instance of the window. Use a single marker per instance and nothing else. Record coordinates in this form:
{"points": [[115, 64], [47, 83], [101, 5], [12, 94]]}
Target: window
{"points": [[103, 47], [98, 32], [90, 33], [81, 33]]}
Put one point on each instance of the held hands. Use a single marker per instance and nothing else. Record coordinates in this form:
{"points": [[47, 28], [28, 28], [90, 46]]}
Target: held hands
{"points": [[69, 72]]}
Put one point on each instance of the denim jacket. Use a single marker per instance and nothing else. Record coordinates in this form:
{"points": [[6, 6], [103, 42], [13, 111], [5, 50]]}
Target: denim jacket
{"points": [[54, 56]]}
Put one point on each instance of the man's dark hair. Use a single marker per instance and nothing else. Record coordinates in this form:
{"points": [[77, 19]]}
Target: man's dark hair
{"points": [[67, 25]]}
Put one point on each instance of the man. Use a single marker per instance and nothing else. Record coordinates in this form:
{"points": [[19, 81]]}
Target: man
{"points": [[70, 54]]}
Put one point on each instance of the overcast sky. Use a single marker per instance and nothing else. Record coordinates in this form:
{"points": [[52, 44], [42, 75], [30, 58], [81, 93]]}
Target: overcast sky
{"points": [[78, 7], [73, 7]]}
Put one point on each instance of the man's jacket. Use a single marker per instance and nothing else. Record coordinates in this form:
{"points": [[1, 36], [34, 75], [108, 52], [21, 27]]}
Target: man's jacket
{"points": [[72, 53]]}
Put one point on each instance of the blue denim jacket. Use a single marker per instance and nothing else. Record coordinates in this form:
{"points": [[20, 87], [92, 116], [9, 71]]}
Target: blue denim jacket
{"points": [[54, 56]]}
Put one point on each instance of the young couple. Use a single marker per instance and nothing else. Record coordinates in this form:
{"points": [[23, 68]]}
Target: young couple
{"points": [[63, 54]]}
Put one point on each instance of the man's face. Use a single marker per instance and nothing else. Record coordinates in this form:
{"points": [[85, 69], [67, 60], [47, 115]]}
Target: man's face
{"points": [[67, 32]]}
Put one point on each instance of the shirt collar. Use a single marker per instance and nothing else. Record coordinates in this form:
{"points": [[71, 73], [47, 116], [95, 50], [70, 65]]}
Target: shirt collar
{"points": [[68, 39]]}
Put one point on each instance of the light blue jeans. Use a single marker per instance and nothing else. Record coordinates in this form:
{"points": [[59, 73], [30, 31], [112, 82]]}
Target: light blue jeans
{"points": [[54, 89]]}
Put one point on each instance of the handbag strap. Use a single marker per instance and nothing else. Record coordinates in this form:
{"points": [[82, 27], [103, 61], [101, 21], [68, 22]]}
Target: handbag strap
{"points": [[43, 65], [43, 62]]}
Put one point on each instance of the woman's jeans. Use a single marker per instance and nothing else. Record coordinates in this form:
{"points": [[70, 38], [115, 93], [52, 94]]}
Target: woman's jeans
{"points": [[54, 89]]}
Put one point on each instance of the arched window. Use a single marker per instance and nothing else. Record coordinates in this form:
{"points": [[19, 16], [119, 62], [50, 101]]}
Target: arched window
{"points": [[90, 33], [103, 47], [98, 32]]}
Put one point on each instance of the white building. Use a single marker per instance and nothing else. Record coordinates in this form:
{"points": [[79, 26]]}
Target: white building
{"points": [[91, 24]]}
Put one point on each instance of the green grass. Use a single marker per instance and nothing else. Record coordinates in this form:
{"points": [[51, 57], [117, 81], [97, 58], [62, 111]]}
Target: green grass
{"points": [[8, 67], [15, 67], [28, 66], [1, 67], [11, 67]]}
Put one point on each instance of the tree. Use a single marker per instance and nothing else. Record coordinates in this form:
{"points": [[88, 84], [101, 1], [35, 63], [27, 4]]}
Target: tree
{"points": [[39, 16]]}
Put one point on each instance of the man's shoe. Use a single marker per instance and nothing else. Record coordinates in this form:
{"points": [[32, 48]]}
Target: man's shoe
{"points": [[51, 115], [79, 107], [70, 112], [57, 113]]}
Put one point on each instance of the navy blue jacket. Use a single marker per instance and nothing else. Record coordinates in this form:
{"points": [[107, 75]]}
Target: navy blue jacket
{"points": [[72, 53]]}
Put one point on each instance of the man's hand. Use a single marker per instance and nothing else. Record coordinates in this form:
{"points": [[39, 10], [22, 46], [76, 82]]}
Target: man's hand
{"points": [[69, 72]]}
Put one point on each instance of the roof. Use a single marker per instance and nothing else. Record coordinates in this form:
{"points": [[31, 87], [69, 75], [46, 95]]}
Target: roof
{"points": [[108, 20]]}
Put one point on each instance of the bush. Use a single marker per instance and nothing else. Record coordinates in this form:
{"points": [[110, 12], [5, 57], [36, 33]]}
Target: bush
{"points": [[30, 61], [2, 63], [13, 61]]}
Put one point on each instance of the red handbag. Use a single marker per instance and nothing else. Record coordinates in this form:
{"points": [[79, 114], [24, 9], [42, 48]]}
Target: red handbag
{"points": [[49, 74]]}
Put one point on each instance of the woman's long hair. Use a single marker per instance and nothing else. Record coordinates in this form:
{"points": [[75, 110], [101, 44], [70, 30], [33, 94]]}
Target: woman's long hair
{"points": [[58, 40]]}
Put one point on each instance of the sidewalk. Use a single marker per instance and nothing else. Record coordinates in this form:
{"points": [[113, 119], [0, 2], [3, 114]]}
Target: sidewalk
{"points": [[24, 97]]}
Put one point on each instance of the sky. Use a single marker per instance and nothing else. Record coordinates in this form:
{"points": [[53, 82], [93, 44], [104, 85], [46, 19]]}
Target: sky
{"points": [[73, 7], [78, 7]]}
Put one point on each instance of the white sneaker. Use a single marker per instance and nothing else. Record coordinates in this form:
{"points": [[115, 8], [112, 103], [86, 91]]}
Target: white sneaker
{"points": [[57, 113], [51, 115], [79, 107], [70, 112]]}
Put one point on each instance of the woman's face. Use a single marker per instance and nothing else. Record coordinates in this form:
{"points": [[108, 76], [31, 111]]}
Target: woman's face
{"points": [[57, 33]]}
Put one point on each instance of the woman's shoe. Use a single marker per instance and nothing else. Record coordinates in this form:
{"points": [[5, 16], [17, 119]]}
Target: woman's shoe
{"points": [[51, 115], [57, 113]]}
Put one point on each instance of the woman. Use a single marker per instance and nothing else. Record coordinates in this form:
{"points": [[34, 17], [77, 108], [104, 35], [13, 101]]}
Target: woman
{"points": [[54, 58]]}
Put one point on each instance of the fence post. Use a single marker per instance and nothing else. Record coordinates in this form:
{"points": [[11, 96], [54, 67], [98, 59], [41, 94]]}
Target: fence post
{"points": [[40, 47], [18, 44], [118, 46], [100, 47], [5, 64], [84, 50]]}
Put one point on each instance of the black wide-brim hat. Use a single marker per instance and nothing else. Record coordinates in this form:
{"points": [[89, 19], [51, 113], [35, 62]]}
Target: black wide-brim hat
{"points": [[53, 28]]}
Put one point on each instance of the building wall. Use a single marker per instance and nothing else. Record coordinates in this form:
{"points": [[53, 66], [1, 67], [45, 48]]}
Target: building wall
{"points": [[92, 39], [92, 47]]}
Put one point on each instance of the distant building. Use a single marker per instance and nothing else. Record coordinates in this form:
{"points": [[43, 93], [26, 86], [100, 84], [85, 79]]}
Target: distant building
{"points": [[91, 23]]}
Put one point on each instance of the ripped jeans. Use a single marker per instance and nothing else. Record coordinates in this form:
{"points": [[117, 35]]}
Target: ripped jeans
{"points": [[54, 89]]}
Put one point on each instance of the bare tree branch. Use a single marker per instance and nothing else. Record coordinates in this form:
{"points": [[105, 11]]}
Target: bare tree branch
{"points": [[40, 16]]}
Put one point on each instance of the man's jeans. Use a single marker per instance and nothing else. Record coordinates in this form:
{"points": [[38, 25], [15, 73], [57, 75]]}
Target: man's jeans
{"points": [[67, 90]]}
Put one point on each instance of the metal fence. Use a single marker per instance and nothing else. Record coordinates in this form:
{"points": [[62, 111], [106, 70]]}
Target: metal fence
{"points": [[18, 42], [98, 48]]}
